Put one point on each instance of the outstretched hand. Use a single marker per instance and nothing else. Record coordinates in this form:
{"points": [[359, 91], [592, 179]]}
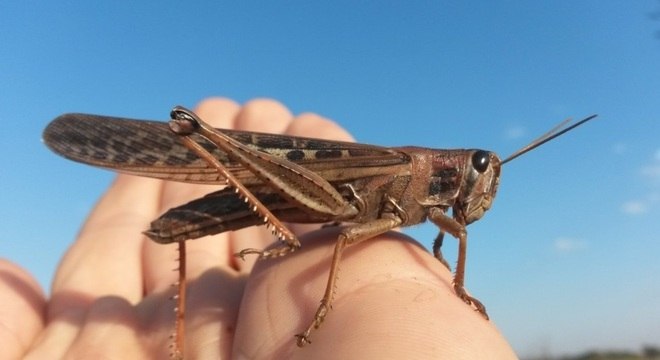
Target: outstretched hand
{"points": [[110, 294]]}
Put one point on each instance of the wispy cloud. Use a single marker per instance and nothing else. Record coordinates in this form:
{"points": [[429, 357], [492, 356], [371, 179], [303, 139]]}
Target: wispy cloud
{"points": [[634, 207], [565, 244], [651, 174], [652, 171], [619, 148], [514, 132]]}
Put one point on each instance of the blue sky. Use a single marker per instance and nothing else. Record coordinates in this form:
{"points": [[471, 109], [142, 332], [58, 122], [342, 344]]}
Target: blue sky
{"points": [[567, 258]]}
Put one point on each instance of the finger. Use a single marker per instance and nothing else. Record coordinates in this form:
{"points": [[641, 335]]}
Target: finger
{"points": [[400, 303], [203, 253], [263, 115], [392, 300], [22, 310], [316, 126], [110, 328], [106, 257], [104, 260]]}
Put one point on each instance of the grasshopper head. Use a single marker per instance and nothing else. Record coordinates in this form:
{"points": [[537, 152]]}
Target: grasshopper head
{"points": [[479, 186]]}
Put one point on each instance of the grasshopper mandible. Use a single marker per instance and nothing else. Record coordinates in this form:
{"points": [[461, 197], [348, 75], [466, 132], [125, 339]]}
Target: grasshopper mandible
{"points": [[272, 179]]}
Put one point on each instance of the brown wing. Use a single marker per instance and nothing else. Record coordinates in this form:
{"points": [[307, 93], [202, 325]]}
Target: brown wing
{"points": [[149, 148], [222, 211]]}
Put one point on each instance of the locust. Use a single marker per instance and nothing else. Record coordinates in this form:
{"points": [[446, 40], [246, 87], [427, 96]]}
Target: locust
{"points": [[273, 179]]}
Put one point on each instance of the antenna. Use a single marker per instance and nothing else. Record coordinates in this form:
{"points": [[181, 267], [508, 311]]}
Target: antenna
{"points": [[553, 133]]}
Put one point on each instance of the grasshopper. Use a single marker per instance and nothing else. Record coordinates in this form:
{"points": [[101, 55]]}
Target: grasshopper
{"points": [[272, 179]]}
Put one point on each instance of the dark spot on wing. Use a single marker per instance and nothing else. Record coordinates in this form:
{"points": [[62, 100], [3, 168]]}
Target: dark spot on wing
{"points": [[156, 144], [327, 154], [316, 144], [149, 159], [191, 156], [295, 155], [276, 142], [99, 155], [176, 160], [121, 158], [119, 146], [245, 138]]}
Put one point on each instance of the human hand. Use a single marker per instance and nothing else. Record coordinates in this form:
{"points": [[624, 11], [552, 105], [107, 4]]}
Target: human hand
{"points": [[110, 295]]}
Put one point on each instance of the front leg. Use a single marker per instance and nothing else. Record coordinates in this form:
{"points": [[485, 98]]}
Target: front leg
{"points": [[437, 252], [456, 229]]}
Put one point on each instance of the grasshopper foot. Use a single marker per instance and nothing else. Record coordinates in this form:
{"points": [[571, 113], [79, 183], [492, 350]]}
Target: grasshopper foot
{"points": [[241, 254], [267, 254], [303, 338], [478, 306]]}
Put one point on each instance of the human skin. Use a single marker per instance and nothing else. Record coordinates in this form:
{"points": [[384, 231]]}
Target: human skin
{"points": [[110, 293]]}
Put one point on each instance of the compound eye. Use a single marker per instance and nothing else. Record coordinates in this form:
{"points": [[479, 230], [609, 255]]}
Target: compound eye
{"points": [[480, 160]]}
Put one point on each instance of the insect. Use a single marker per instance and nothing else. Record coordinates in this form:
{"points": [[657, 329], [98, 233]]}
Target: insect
{"points": [[272, 179]]}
